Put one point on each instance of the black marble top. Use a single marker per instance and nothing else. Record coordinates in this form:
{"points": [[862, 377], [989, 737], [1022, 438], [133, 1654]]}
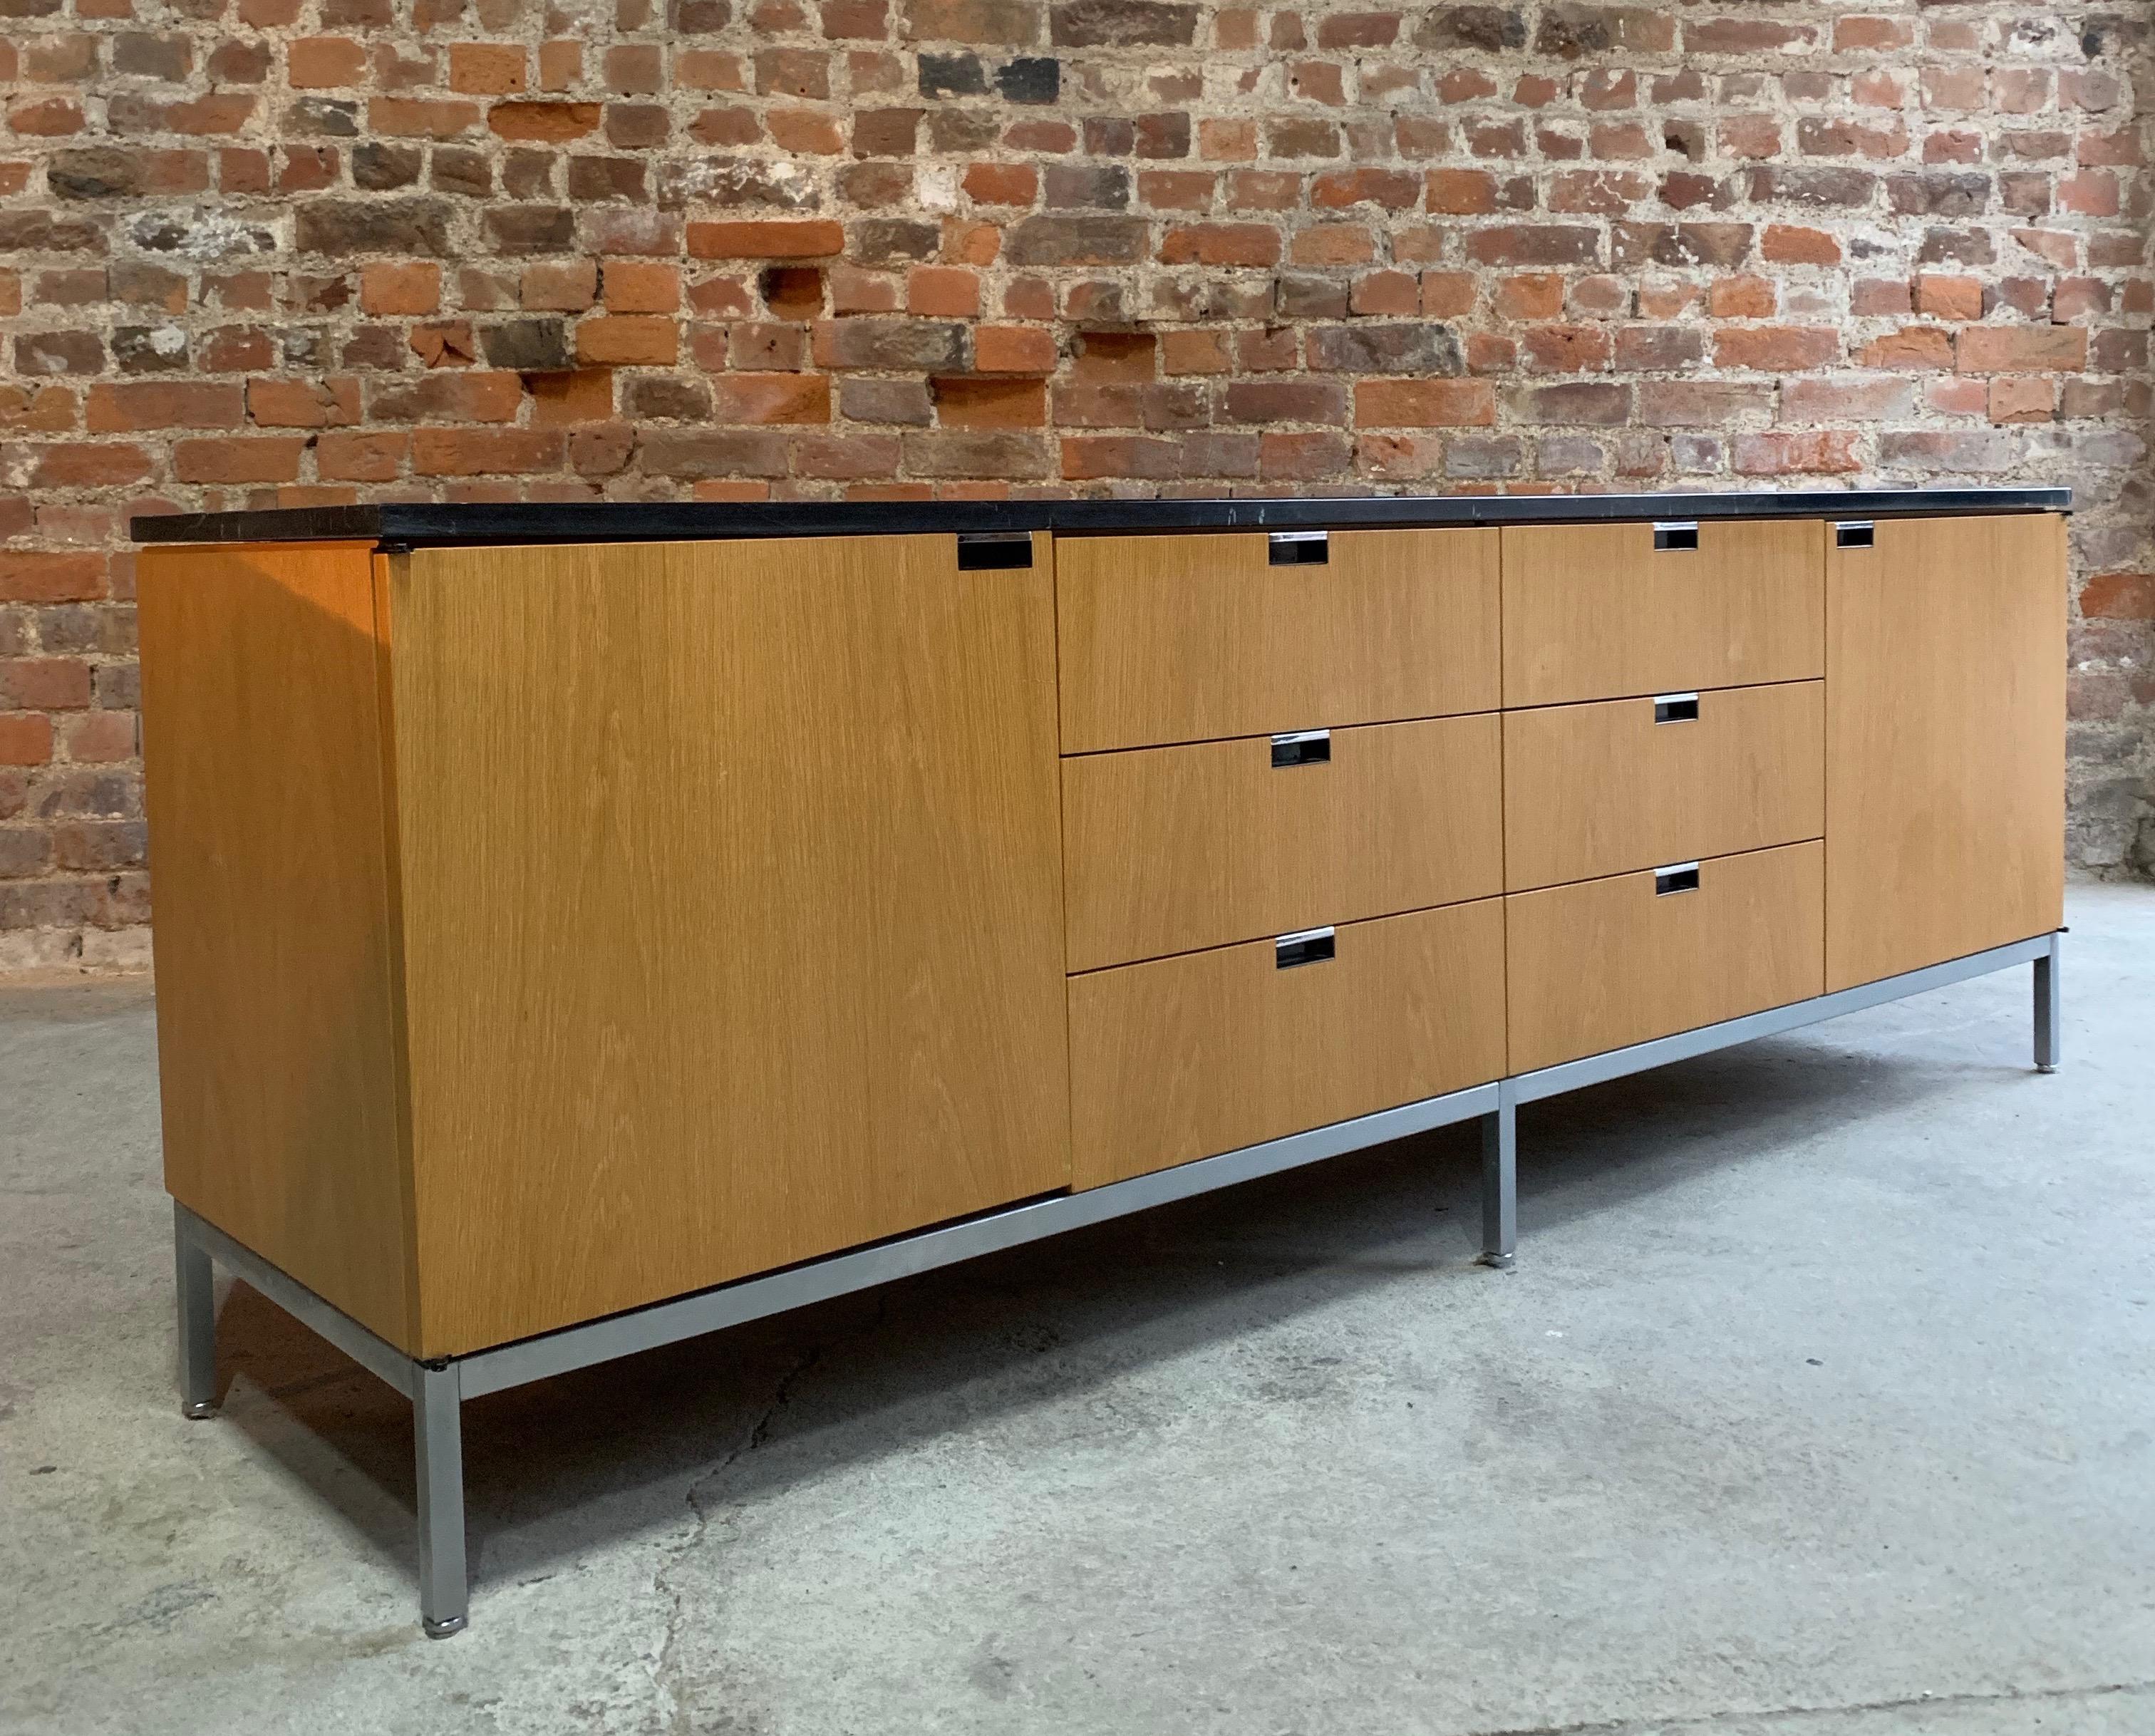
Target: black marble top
{"points": [[421, 524]]}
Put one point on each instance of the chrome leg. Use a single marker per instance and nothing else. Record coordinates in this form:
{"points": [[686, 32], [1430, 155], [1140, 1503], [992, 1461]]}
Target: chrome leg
{"points": [[2048, 1016], [1500, 1180], [437, 1431], [197, 1302]]}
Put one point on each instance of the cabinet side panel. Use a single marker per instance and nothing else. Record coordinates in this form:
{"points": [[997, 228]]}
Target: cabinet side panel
{"points": [[732, 905], [1945, 742], [262, 743]]}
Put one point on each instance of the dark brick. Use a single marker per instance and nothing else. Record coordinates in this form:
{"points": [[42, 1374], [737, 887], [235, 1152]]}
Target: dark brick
{"points": [[465, 172], [1485, 30], [952, 76], [345, 227], [150, 350], [44, 353], [1122, 23], [529, 346], [1569, 32], [1938, 195], [1092, 240], [1417, 348], [1032, 79], [892, 346], [380, 166], [906, 402], [893, 240], [96, 171], [322, 117], [1819, 188], [1097, 187], [660, 397]]}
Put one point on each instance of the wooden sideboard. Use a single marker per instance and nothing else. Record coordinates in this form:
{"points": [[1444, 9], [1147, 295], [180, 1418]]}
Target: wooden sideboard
{"points": [[580, 926]]}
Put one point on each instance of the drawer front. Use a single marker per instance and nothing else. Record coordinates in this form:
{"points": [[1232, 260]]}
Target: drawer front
{"points": [[1604, 963], [1170, 849], [1624, 784], [1598, 612], [1186, 1057], [1198, 637]]}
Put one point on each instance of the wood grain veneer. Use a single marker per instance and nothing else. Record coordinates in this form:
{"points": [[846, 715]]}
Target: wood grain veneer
{"points": [[1945, 742], [1603, 963], [276, 1047], [1600, 789], [1172, 849], [1596, 611], [1195, 638], [731, 911], [1183, 1057]]}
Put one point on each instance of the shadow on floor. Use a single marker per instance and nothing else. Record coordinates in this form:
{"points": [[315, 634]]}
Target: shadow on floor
{"points": [[604, 1452]]}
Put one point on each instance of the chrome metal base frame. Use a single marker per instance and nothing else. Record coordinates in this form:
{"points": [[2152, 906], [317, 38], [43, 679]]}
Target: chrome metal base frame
{"points": [[437, 1389]]}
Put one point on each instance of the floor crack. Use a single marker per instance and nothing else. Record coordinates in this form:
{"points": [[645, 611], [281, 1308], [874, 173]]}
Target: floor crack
{"points": [[1712, 1720], [667, 1675]]}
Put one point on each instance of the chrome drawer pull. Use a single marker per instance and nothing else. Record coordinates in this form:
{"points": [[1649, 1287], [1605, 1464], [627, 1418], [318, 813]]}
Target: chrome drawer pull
{"points": [[1301, 548], [1855, 534], [1677, 535], [1678, 877], [1303, 747], [1675, 708], [982, 550], [1307, 946]]}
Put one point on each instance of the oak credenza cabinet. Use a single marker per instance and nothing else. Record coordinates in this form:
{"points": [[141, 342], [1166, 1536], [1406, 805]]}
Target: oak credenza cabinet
{"points": [[581, 927]]}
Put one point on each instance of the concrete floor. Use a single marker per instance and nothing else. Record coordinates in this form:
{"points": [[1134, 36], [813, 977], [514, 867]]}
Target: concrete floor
{"points": [[1820, 1405]]}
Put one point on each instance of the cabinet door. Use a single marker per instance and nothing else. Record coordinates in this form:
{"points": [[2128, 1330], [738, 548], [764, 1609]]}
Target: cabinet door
{"points": [[1945, 741], [731, 908]]}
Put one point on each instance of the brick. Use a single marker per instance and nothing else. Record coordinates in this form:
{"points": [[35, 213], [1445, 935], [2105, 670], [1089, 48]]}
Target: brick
{"points": [[387, 291], [642, 286], [484, 451], [303, 404], [1944, 297], [2117, 596], [1778, 348], [1781, 453], [628, 341], [1221, 244], [1424, 403], [485, 68], [777, 239], [2020, 349], [43, 683], [129, 405], [324, 63], [26, 739], [2021, 397], [945, 292], [770, 398], [549, 123], [245, 458], [1014, 350]]}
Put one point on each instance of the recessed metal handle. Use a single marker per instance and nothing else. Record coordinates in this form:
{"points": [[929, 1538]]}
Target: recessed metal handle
{"points": [[1855, 534], [983, 551], [1675, 708], [1301, 548], [1306, 946], [1676, 877], [1303, 747], [1677, 535]]}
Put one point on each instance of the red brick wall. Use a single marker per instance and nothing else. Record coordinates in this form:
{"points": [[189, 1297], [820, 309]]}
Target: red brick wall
{"points": [[255, 251]]}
